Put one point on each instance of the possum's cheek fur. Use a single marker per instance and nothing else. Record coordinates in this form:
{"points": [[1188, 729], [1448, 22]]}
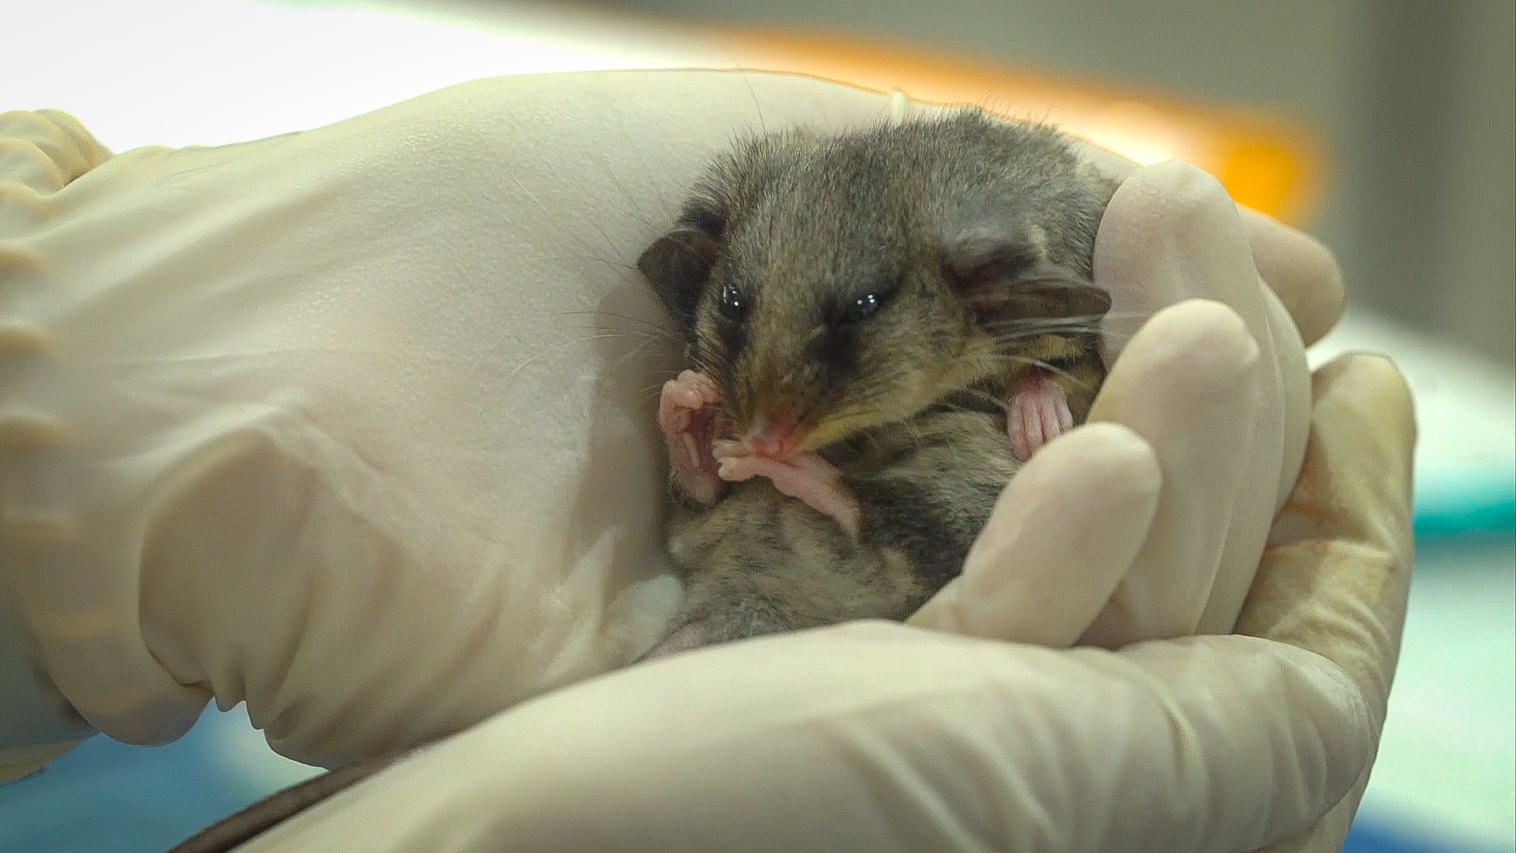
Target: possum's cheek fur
{"points": [[900, 374]]}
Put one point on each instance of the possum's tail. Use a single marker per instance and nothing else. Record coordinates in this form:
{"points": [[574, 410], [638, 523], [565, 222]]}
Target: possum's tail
{"points": [[229, 833]]}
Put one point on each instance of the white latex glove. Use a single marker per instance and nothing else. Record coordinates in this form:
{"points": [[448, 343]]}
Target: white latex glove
{"points": [[877, 737], [324, 432]]}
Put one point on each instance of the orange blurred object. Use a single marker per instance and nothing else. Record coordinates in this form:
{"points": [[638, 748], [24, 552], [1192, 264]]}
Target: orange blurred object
{"points": [[1265, 161]]}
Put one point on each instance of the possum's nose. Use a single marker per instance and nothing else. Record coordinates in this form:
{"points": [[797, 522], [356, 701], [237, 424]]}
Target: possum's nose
{"points": [[775, 438]]}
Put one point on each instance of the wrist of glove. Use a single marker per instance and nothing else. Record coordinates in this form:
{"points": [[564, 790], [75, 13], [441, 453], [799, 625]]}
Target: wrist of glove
{"points": [[40, 153]]}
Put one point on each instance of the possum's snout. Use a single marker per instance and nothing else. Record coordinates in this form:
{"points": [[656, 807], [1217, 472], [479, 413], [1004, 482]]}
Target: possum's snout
{"points": [[774, 438]]}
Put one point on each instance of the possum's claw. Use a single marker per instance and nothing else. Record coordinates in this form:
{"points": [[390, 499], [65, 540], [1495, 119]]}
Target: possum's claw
{"points": [[1038, 413], [805, 477], [688, 416]]}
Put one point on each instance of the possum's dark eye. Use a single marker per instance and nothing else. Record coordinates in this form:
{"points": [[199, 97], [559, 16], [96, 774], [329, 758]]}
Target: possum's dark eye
{"points": [[733, 306], [863, 307]]}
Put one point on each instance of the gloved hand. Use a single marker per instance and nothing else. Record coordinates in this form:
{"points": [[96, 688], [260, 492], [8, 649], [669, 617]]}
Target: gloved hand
{"points": [[354, 425]]}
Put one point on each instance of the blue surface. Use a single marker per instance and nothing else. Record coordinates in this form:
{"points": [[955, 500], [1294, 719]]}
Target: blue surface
{"points": [[1472, 507], [1367, 837], [107, 797]]}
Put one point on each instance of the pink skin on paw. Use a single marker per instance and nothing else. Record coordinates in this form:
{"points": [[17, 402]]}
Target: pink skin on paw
{"points": [[1038, 413], [702, 456], [688, 416], [803, 476]]}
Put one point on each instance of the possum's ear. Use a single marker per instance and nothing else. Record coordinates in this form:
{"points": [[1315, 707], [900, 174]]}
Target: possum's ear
{"points": [[678, 265], [1012, 283]]}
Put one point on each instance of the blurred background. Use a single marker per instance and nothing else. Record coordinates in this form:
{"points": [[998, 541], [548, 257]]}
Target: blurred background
{"points": [[1412, 101], [1385, 127]]}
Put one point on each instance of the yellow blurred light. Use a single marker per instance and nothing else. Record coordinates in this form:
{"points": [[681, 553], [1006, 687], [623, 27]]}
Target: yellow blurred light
{"points": [[1267, 162]]}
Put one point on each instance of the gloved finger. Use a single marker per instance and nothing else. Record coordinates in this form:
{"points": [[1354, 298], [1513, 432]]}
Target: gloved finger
{"points": [[1187, 385], [1345, 535], [1171, 233], [1036, 575], [43, 151], [1300, 269], [879, 737]]}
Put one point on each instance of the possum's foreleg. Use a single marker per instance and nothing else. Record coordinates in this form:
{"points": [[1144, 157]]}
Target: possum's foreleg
{"points": [[804, 476], [1048, 401], [703, 459], [1038, 413], [691, 421]]}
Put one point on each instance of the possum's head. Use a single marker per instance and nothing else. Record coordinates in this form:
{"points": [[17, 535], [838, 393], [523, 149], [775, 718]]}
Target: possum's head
{"points": [[833, 284]]}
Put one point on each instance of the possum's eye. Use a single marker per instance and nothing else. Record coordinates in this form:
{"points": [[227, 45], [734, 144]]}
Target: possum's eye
{"points": [[863, 307], [732, 304]]}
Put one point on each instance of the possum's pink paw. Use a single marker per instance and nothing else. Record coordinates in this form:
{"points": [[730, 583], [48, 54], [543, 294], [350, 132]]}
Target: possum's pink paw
{"points": [[689, 418], [1038, 413], [805, 477]]}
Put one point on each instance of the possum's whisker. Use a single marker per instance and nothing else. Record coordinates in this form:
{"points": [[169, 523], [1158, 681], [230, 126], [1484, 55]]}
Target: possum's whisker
{"points": [[618, 266], [1029, 334], [634, 351], [604, 235], [1075, 318], [981, 394], [527, 191], [588, 247], [562, 345], [1066, 325], [763, 125], [638, 321], [600, 312], [1032, 334], [602, 336], [1016, 358], [630, 211], [634, 327], [651, 336], [643, 334], [1045, 365], [710, 367], [613, 177]]}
